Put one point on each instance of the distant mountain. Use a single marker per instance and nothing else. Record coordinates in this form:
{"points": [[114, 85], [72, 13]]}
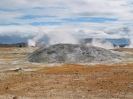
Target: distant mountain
{"points": [[7, 39], [119, 41], [16, 39], [13, 45]]}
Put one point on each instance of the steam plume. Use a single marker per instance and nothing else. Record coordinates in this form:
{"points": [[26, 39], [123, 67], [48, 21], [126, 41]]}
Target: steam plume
{"points": [[130, 36], [61, 37], [101, 43], [32, 42], [55, 37], [131, 41]]}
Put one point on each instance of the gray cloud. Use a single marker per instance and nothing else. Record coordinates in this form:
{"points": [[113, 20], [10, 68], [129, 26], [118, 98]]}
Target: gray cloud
{"points": [[13, 10]]}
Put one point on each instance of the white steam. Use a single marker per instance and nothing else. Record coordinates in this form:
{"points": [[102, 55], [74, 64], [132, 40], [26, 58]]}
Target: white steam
{"points": [[101, 43], [131, 41], [55, 37], [32, 42], [129, 33], [62, 37]]}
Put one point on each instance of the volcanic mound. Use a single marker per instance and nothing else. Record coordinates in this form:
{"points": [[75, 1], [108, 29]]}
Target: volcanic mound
{"points": [[73, 53]]}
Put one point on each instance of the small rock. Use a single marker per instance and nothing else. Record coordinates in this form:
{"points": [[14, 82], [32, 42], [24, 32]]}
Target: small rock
{"points": [[15, 97], [16, 70]]}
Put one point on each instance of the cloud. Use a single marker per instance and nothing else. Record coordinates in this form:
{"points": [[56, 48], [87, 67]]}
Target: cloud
{"points": [[84, 18]]}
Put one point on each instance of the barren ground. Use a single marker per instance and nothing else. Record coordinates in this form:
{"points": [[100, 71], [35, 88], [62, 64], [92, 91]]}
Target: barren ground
{"points": [[69, 81]]}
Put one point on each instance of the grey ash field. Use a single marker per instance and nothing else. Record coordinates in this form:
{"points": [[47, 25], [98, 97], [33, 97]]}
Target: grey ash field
{"points": [[71, 80]]}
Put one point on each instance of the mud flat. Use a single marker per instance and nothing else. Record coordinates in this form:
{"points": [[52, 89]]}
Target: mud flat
{"points": [[27, 80]]}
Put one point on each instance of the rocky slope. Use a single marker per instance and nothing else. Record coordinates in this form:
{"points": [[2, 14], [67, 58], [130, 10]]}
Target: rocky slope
{"points": [[72, 53]]}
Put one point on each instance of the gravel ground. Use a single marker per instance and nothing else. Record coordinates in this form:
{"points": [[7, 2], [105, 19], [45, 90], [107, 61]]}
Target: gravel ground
{"points": [[25, 80]]}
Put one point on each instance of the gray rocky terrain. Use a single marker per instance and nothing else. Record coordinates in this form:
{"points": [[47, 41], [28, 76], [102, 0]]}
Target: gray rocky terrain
{"points": [[73, 53]]}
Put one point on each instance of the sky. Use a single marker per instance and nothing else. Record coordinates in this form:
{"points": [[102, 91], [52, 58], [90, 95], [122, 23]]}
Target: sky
{"points": [[81, 18]]}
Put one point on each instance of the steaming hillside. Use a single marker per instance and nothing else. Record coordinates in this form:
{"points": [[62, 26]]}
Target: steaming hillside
{"points": [[72, 53]]}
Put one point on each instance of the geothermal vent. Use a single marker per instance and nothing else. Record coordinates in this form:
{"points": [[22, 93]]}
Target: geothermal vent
{"points": [[72, 53]]}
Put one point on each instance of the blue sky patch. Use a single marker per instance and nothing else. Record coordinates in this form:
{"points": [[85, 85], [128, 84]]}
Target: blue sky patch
{"points": [[6, 10], [89, 19], [7, 24], [45, 23], [35, 17]]}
